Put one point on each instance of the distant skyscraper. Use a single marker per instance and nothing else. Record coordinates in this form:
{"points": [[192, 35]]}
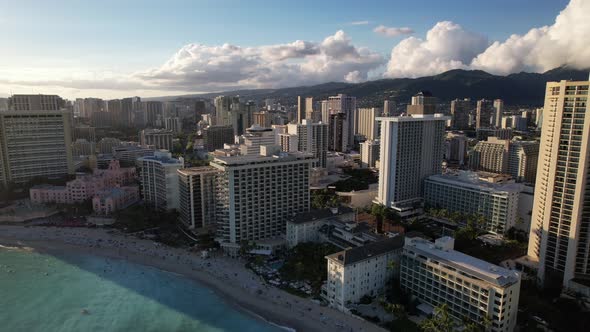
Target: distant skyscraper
{"points": [[456, 149], [422, 103], [490, 156], [312, 138], [412, 149], [159, 138], [498, 111], [34, 143], [560, 224], [214, 137], [154, 113], [367, 122], [369, 153], [35, 103], [174, 124], [389, 108], [522, 161], [460, 111], [338, 135], [485, 114], [304, 108], [346, 105]]}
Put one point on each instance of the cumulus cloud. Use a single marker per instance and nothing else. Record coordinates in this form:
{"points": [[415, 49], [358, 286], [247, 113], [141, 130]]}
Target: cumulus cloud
{"points": [[212, 68], [392, 32], [563, 43], [446, 46]]}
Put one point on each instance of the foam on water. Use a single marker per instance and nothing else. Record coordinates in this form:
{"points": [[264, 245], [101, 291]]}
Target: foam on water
{"points": [[77, 292]]}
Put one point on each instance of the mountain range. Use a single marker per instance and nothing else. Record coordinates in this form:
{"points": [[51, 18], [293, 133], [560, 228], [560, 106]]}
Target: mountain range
{"points": [[521, 89]]}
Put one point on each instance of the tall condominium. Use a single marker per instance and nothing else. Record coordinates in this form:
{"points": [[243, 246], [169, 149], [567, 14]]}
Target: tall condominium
{"points": [[34, 144], [369, 153], [466, 193], [153, 113], [312, 138], [337, 133], [498, 111], [256, 194], [367, 122], [461, 109], [523, 159], [473, 289], [159, 180], [35, 103], [389, 108], [197, 196], [412, 149], [214, 137], [560, 225], [304, 108], [159, 138], [422, 103], [485, 116], [231, 112], [455, 149], [263, 119], [345, 105]]}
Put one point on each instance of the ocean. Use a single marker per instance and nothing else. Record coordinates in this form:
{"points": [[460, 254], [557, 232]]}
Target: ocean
{"points": [[75, 292]]}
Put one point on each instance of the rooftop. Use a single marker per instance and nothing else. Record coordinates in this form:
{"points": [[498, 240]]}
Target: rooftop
{"points": [[354, 255], [260, 159], [471, 180], [197, 170], [477, 267], [318, 214]]}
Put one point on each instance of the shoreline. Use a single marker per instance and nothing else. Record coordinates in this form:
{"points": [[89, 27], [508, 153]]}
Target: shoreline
{"points": [[226, 277]]}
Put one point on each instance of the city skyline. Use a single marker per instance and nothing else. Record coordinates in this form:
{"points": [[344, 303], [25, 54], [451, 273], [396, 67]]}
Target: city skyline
{"points": [[334, 44]]}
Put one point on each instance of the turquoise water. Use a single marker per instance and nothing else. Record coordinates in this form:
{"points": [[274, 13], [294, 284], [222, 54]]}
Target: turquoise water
{"points": [[48, 293]]}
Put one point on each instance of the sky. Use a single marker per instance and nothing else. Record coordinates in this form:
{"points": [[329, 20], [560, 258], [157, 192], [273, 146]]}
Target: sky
{"points": [[113, 49]]}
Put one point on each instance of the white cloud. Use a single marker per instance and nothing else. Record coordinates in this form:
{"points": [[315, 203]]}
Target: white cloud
{"points": [[447, 46], [212, 68], [359, 23], [563, 43], [393, 32]]}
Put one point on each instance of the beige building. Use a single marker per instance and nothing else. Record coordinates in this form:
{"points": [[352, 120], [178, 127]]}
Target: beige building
{"points": [[34, 144], [560, 225], [369, 153], [367, 122], [490, 156], [197, 196], [412, 149], [311, 138]]}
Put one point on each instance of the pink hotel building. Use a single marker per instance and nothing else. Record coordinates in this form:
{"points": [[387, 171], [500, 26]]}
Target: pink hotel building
{"points": [[86, 187]]}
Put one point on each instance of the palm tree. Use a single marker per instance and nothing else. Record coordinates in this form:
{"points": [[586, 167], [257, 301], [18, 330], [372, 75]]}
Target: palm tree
{"points": [[441, 321]]}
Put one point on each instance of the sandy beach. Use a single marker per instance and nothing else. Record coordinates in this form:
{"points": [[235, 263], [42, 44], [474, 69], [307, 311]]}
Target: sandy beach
{"points": [[226, 276]]}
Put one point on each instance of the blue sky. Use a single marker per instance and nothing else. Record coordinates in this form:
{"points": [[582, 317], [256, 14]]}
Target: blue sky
{"points": [[117, 37]]}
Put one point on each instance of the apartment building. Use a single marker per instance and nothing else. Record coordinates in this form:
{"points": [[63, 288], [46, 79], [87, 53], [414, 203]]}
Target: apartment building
{"points": [[161, 139], [34, 143], [214, 137], [197, 196], [159, 180], [370, 153], [256, 194], [311, 138]]}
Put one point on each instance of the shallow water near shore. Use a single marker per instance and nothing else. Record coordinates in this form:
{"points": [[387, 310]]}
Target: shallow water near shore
{"points": [[74, 292]]}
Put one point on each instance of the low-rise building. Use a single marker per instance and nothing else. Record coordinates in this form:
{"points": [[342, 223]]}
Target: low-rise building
{"points": [[305, 226], [84, 187], [356, 272], [105, 202], [436, 274]]}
